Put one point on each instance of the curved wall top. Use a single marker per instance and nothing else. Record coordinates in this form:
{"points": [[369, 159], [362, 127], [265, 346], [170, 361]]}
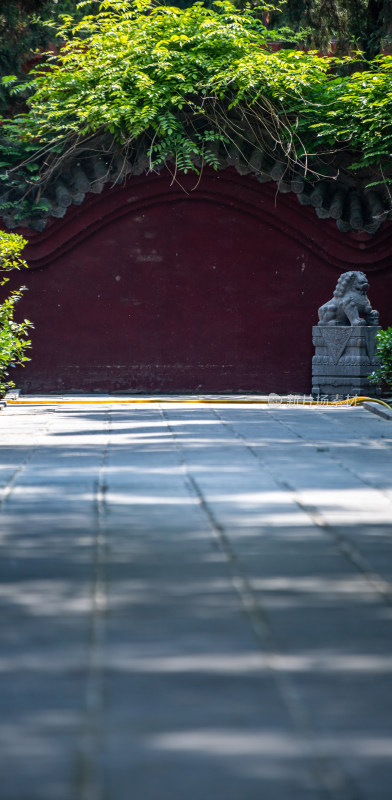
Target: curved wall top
{"points": [[242, 193]]}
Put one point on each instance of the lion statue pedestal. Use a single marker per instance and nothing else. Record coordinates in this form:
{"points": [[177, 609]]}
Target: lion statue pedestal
{"points": [[345, 341]]}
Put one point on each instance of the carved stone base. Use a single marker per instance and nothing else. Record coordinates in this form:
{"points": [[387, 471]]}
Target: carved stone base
{"points": [[344, 358]]}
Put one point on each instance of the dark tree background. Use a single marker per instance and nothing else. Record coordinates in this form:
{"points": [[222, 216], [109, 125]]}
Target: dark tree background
{"points": [[22, 32], [354, 24]]}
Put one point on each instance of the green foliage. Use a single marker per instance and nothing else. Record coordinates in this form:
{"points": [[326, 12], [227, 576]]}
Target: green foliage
{"points": [[383, 374], [355, 113], [135, 68], [11, 246], [13, 341], [184, 78]]}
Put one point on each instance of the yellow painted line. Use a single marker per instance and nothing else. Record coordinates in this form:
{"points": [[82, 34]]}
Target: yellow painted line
{"points": [[146, 400], [352, 401]]}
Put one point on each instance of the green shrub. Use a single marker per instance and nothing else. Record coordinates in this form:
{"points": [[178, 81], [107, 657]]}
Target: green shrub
{"points": [[383, 374], [13, 341]]}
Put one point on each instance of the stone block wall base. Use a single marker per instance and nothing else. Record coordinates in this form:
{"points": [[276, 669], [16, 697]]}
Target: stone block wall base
{"points": [[344, 358], [333, 392]]}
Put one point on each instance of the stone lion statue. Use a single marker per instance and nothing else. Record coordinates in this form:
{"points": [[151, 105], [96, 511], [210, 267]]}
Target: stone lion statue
{"points": [[349, 304]]}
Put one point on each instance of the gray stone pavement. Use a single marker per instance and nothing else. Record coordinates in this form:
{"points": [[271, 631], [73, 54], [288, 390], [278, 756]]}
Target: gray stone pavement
{"points": [[196, 603]]}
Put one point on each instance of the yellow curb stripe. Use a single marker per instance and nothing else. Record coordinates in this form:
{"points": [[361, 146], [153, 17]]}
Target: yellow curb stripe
{"points": [[352, 401]]}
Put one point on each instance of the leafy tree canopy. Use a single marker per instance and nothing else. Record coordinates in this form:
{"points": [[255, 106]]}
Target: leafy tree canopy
{"points": [[184, 77]]}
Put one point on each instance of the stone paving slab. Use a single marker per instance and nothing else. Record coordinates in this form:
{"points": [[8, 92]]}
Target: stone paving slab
{"points": [[195, 601]]}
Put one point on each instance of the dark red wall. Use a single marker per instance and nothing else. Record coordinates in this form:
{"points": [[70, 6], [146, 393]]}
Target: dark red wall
{"points": [[157, 287]]}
